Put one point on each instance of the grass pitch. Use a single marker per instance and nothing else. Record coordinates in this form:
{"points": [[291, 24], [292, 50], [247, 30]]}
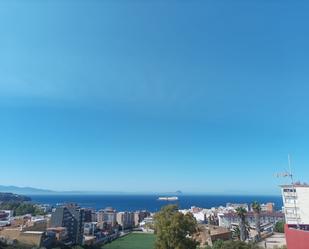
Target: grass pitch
{"points": [[133, 241]]}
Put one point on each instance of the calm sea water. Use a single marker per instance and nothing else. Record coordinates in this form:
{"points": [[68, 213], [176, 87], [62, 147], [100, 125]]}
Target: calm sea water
{"points": [[150, 202]]}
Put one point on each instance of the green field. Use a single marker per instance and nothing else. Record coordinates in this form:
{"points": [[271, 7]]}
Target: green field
{"points": [[133, 241]]}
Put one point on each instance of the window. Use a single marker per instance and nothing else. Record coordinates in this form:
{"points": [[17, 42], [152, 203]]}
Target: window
{"points": [[289, 190], [290, 200]]}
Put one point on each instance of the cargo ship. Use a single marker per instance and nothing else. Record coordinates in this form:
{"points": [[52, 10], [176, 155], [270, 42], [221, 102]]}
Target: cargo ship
{"points": [[172, 198]]}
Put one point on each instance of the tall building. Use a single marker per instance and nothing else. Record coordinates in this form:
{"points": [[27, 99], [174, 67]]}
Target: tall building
{"points": [[125, 219], [72, 218], [89, 215], [90, 228], [296, 203], [296, 208], [107, 217]]}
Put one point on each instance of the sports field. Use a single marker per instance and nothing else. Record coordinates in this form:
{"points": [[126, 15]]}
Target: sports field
{"points": [[133, 241]]}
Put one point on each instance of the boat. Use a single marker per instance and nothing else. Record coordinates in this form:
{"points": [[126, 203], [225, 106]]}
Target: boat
{"points": [[171, 198]]}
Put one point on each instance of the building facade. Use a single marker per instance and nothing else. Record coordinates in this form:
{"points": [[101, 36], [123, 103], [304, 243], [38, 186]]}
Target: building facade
{"points": [[106, 218], [227, 220], [139, 216], [266, 207], [72, 218], [296, 203], [296, 208], [125, 219]]}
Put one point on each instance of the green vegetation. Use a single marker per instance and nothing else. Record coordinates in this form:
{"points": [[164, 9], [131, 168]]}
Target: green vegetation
{"points": [[279, 227], [174, 230], [236, 245], [241, 212], [257, 213], [15, 246], [6, 197], [133, 241], [23, 246], [21, 208], [232, 245]]}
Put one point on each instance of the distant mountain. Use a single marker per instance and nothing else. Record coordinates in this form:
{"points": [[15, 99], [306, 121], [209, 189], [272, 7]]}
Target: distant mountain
{"points": [[25, 190], [37, 191]]}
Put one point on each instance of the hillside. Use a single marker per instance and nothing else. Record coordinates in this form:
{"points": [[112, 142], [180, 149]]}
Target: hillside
{"points": [[9, 197]]}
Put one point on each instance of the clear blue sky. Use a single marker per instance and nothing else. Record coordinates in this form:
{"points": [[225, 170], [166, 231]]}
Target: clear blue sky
{"points": [[153, 95]]}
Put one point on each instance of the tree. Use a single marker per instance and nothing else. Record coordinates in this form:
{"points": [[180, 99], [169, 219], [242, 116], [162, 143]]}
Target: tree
{"points": [[241, 213], [213, 220], [174, 230], [233, 245], [236, 231], [218, 244], [21, 208], [279, 227], [238, 245], [257, 213]]}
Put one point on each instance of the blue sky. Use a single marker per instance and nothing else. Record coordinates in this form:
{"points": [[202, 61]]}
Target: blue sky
{"points": [[201, 96]]}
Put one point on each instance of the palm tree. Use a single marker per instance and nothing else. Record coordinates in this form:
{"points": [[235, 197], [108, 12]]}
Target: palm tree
{"points": [[257, 213], [241, 213], [236, 232], [247, 229]]}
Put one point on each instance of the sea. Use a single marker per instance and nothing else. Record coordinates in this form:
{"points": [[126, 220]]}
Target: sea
{"points": [[151, 202]]}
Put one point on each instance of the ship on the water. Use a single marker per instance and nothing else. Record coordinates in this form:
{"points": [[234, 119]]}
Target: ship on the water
{"points": [[172, 198]]}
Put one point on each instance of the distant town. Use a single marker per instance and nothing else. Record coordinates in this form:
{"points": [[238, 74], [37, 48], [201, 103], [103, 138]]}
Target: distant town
{"points": [[44, 225]]}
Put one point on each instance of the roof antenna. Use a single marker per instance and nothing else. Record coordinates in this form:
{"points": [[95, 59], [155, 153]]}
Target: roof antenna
{"points": [[290, 175], [294, 190]]}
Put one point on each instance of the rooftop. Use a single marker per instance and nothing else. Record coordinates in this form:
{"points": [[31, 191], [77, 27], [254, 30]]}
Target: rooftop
{"points": [[33, 232], [296, 185], [251, 214]]}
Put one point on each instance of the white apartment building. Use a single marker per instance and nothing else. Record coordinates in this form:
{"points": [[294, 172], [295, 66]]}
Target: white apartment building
{"points": [[227, 220], [296, 203]]}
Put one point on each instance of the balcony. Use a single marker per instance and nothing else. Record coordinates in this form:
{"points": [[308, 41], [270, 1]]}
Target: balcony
{"points": [[290, 194]]}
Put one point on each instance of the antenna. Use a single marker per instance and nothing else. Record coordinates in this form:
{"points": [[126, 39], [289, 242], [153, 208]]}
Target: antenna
{"points": [[290, 169], [294, 190], [290, 175]]}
